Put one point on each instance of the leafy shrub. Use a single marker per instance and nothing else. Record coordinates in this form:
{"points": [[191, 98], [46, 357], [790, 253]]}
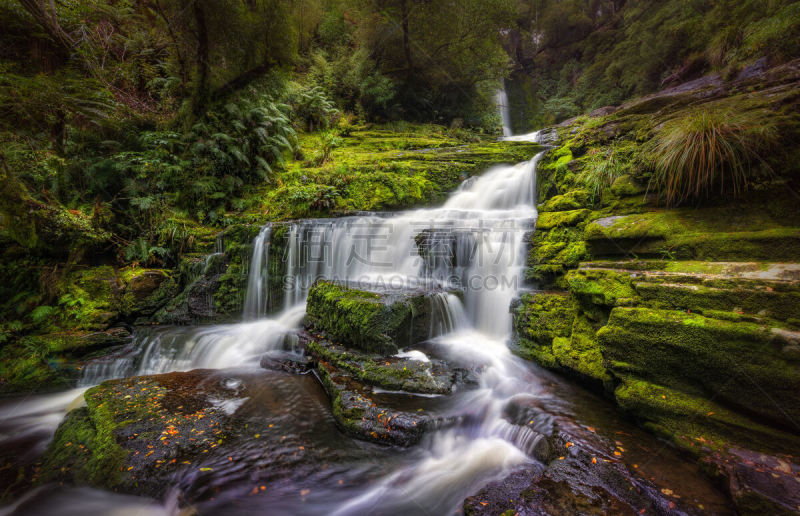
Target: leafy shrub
{"points": [[312, 107], [141, 251], [327, 142], [41, 313], [710, 149]]}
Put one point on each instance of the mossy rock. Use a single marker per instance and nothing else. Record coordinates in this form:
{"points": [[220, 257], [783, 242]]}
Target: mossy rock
{"points": [[572, 200], [605, 288], [136, 434], [553, 219], [146, 290], [539, 318], [723, 233], [697, 422], [50, 362], [391, 373], [581, 353], [359, 416], [742, 364], [368, 320]]}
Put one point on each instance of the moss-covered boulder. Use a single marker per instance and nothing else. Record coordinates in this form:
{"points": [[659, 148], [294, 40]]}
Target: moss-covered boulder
{"points": [[146, 290], [136, 434], [381, 320], [51, 362], [388, 372], [539, 319], [715, 233]]}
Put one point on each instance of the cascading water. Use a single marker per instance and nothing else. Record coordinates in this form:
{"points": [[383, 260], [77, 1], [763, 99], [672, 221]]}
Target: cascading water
{"points": [[474, 243], [255, 302], [501, 99]]}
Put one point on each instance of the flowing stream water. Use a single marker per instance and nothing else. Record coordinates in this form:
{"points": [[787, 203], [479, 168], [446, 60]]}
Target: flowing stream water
{"points": [[483, 227]]}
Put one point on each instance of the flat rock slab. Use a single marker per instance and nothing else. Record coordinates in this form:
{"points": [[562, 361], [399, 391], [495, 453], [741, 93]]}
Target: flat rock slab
{"points": [[391, 373], [385, 399], [580, 478], [135, 434]]}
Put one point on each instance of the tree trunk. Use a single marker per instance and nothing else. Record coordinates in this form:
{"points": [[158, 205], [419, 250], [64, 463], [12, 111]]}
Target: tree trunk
{"points": [[201, 90], [45, 15], [406, 39]]}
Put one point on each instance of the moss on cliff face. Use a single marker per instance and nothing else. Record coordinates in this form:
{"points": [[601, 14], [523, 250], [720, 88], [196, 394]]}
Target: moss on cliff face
{"points": [[681, 314], [538, 320], [743, 364]]}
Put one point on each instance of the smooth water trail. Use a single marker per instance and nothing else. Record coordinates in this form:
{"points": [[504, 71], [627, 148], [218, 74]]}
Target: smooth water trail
{"points": [[501, 99], [255, 302]]}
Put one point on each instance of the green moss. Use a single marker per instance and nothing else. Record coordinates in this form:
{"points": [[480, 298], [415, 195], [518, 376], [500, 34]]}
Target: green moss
{"points": [[24, 368], [541, 317], [88, 299], [85, 446], [572, 200], [626, 186], [554, 252], [365, 320], [550, 220], [723, 233], [381, 169], [730, 297], [601, 287], [405, 375], [581, 352], [740, 363], [697, 423]]}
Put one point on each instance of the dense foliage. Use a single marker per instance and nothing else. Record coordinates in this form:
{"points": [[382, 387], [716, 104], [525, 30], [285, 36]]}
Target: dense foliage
{"points": [[573, 56]]}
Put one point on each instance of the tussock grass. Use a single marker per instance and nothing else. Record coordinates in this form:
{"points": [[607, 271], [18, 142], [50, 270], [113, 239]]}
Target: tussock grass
{"points": [[710, 151]]}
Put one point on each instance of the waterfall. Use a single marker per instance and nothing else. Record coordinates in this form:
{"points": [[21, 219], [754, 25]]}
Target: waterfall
{"points": [[255, 301], [501, 99], [469, 254]]}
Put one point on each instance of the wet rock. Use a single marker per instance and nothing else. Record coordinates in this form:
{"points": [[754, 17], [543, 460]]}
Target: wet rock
{"points": [[195, 303], [758, 483], [581, 481], [390, 400], [147, 291], [136, 434], [144, 284], [371, 318], [52, 361], [359, 416], [287, 362], [387, 372]]}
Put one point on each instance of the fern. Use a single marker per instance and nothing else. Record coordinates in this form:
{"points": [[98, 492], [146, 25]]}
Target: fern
{"points": [[41, 313]]}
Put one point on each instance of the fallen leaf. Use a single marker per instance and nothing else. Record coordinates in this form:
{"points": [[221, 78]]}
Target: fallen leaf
{"points": [[304, 492]]}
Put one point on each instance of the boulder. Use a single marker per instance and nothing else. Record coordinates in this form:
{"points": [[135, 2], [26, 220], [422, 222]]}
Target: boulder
{"points": [[376, 320]]}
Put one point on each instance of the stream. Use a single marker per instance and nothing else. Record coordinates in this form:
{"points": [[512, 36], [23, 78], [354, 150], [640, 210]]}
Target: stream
{"points": [[485, 223]]}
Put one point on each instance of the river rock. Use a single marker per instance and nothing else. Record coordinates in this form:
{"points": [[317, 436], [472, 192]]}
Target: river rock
{"points": [[371, 393], [369, 317], [134, 434]]}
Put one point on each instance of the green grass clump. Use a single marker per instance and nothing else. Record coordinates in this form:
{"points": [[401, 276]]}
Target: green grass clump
{"points": [[709, 151]]}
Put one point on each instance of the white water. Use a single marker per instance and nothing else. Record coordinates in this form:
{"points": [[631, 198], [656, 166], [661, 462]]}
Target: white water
{"points": [[255, 302], [476, 244], [501, 99]]}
